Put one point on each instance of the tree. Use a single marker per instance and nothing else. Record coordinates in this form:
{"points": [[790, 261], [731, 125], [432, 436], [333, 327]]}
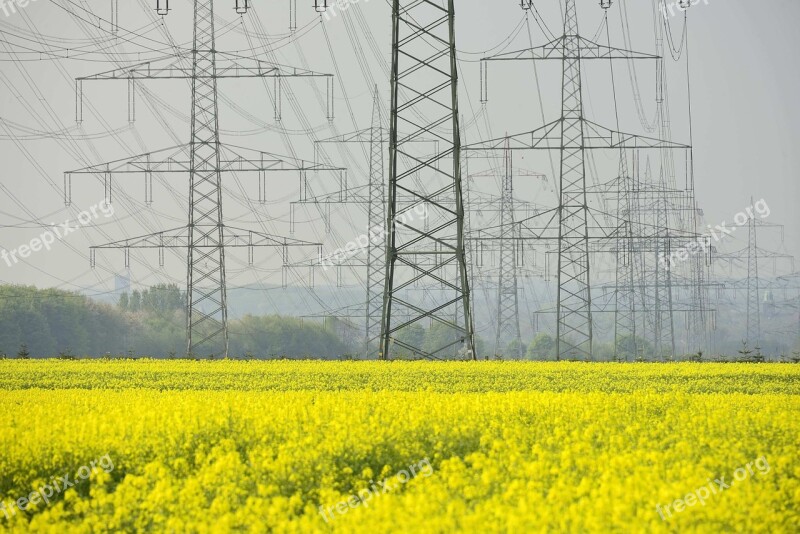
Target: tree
{"points": [[124, 301], [414, 335], [515, 349], [275, 336], [542, 347], [47, 321], [136, 301], [745, 351], [631, 349], [163, 299]]}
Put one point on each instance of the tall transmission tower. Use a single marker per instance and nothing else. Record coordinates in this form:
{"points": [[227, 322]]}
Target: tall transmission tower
{"points": [[376, 251], [625, 295], [424, 85], [507, 290], [755, 283], [572, 134], [206, 236], [205, 278], [753, 301], [574, 315]]}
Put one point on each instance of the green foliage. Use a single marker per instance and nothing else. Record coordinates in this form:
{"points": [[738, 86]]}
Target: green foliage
{"points": [[49, 321], [632, 349], [438, 336], [277, 337], [414, 335], [543, 347], [514, 350], [162, 299], [54, 323]]}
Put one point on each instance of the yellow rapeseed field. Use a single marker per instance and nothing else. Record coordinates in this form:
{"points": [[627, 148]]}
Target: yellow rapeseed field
{"points": [[398, 447]]}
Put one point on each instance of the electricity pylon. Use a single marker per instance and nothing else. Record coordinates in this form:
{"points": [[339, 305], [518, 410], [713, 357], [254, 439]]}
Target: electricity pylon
{"points": [[753, 301], [376, 251], [754, 284], [424, 85], [205, 237], [625, 293], [574, 321], [507, 290], [205, 277], [572, 134]]}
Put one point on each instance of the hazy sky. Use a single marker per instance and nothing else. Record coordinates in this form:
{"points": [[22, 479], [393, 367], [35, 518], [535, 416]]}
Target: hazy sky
{"points": [[744, 86]]}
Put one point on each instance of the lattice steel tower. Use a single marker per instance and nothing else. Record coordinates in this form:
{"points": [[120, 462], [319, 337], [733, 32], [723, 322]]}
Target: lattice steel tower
{"points": [[431, 252], [572, 134], [205, 277], [625, 312], [376, 252], [574, 326], [753, 301], [205, 159], [507, 289]]}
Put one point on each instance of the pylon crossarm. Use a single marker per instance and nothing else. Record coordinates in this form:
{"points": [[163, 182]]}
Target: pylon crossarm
{"points": [[545, 137], [595, 137], [240, 237], [360, 136], [331, 261], [740, 255], [177, 159], [173, 238], [555, 50], [364, 136], [180, 67], [232, 237], [552, 50], [351, 195]]}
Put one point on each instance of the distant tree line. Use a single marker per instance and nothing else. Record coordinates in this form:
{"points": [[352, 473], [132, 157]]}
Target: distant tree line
{"points": [[160, 299], [152, 322], [51, 322], [38, 323]]}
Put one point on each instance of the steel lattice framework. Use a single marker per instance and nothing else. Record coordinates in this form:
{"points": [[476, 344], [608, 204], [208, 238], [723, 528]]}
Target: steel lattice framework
{"points": [[429, 253], [572, 134], [755, 284], [753, 300], [376, 251], [625, 295], [574, 326], [205, 275], [205, 159], [507, 289]]}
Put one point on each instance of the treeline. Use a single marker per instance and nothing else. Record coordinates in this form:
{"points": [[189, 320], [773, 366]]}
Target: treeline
{"points": [[51, 322], [630, 349], [39, 323], [160, 299]]}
